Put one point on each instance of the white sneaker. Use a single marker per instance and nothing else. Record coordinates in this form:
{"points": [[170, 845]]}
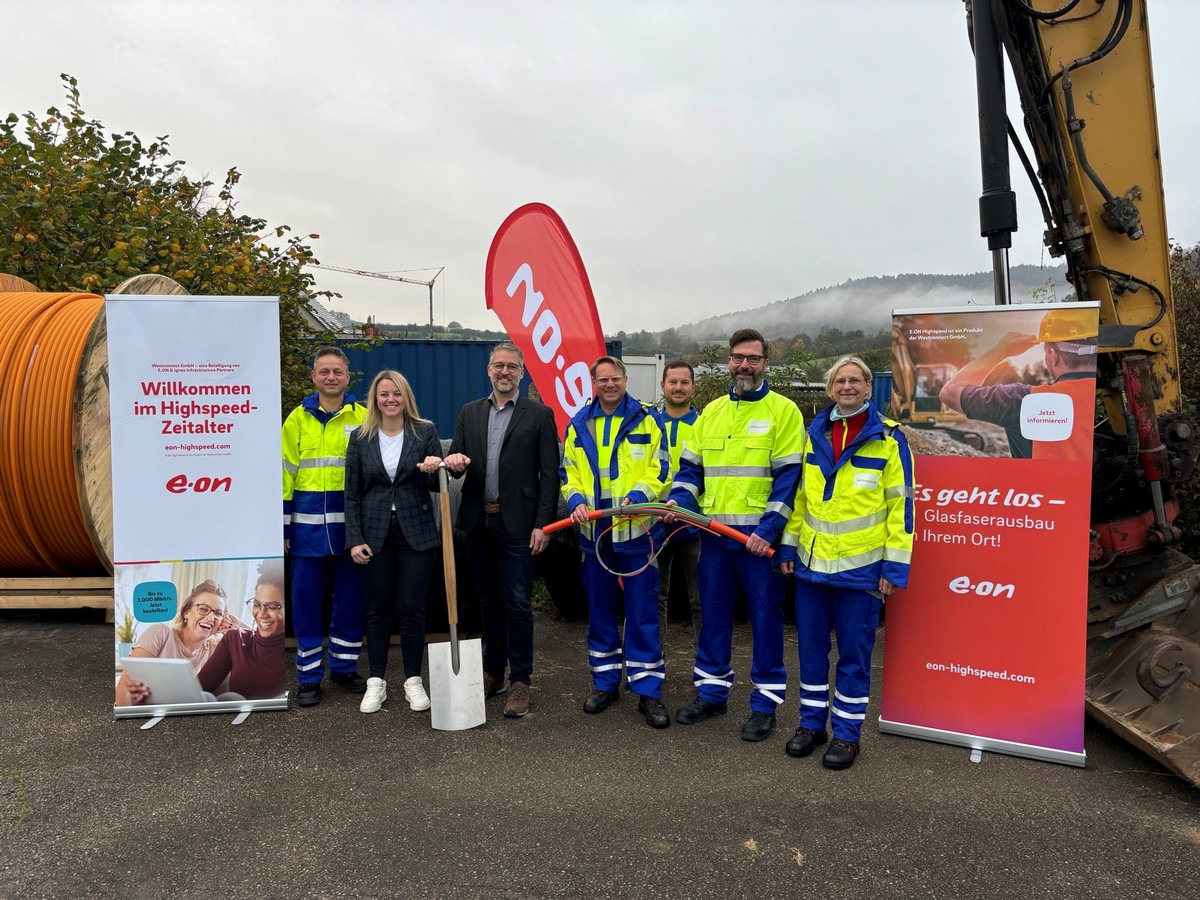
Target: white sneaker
{"points": [[373, 699], [415, 692]]}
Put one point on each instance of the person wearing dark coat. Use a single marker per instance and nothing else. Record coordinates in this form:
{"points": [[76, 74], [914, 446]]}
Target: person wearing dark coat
{"points": [[391, 467]]}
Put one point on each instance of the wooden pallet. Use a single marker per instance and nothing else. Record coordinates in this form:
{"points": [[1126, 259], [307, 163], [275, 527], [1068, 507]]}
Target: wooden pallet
{"points": [[58, 593]]}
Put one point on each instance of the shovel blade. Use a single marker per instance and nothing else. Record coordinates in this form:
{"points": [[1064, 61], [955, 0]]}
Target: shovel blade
{"points": [[456, 698]]}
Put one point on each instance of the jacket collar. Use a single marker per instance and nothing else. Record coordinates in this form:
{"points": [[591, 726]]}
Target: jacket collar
{"points": [[757, 394], [313, 402]]}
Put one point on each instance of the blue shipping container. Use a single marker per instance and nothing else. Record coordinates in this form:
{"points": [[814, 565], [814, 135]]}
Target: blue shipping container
{"points": [[444, 374]]}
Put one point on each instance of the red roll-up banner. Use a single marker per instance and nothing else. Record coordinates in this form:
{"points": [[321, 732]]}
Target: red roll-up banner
{"points": [[536, 283]]}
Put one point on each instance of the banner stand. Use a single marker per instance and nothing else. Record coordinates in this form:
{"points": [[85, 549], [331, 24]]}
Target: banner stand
{"points": [[977, 742], [157, 712]]}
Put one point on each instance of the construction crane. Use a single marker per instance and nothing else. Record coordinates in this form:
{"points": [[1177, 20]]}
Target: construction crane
{"points": [[385, 276]]}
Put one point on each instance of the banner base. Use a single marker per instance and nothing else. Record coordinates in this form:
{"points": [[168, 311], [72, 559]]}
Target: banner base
{"points": [[976, 742], [158, 711]]}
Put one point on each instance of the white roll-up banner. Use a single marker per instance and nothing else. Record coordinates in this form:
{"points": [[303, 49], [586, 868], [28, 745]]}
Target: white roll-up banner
{"points": [[197, 546]]}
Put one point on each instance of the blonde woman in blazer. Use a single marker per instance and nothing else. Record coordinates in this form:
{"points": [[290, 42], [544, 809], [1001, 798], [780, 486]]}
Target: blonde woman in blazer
{"points": [[391, 467]]}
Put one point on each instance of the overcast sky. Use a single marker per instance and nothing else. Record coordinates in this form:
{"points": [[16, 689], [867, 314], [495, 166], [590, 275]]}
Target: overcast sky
{"points": [[706, 156]]}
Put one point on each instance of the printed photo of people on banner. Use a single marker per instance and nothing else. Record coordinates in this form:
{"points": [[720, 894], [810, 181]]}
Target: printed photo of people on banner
{"points": [[998, 404], [200, 632]]}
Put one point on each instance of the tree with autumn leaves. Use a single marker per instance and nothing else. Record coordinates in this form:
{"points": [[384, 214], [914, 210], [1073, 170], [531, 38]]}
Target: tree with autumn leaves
{"points": [[83, 210]]}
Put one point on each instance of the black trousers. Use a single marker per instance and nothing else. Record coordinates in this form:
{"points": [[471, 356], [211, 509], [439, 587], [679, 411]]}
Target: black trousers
{"points": [[395, 582]]}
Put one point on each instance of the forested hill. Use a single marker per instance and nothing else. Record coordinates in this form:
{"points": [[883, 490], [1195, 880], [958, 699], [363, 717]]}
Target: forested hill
{"points": [[867, 303]]}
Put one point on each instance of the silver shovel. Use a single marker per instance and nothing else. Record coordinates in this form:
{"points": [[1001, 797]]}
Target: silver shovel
{"points": [[455, 667]]}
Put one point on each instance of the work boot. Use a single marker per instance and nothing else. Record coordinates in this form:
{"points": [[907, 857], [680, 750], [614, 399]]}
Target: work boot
{"points": [[656, 714], [518, 700], [804, 741], [351, 681], [699, 710], [309, 694], [598, 701], [758, 726], [840, 755]]}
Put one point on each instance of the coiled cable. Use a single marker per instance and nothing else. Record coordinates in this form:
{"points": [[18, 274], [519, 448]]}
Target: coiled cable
{"points": [[42, 529]]}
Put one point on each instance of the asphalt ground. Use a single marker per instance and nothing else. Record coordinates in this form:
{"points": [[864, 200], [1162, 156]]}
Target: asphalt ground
{"points": [[327, 802]]}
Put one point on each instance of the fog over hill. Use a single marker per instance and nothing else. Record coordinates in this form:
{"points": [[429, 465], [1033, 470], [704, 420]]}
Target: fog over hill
{"points": [[867, 303]]}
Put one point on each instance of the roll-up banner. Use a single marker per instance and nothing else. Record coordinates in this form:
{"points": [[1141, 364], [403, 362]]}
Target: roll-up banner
{"points": [[986, 648], [197, 544], [536, 283]]}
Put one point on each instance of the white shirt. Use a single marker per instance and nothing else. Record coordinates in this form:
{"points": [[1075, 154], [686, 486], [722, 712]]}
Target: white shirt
{"points": [[390, 449]]}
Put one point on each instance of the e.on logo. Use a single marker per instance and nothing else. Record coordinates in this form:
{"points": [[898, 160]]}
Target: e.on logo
{"points": [[205, 484], [964, 585]]}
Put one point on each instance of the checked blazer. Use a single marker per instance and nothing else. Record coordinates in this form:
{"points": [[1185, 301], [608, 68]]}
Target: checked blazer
{"points": [[370, 493], [528, 466]]}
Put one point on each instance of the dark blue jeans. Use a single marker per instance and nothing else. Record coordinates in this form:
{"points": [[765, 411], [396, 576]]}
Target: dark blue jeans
{"points": [[503, 569]]}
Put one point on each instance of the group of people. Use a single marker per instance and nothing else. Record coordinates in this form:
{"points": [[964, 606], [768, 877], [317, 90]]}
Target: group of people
{"points": [[832, 506]]}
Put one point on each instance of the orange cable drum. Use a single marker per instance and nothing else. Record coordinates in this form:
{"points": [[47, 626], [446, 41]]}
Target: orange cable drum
{"points": [[42, 529]]}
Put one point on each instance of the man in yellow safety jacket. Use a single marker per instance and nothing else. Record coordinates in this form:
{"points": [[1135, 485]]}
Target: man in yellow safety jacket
{"points": [[741, 469], [315, 435], [615, 454]]}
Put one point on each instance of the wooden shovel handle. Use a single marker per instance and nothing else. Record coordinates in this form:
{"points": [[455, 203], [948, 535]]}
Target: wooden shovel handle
{"points": [[448, 548]]}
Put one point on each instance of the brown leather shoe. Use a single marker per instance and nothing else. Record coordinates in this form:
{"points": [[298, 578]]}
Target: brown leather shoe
{"points": [[493, 685], [518, 700]]}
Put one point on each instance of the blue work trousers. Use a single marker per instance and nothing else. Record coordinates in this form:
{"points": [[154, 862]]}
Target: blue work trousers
{"points": [[309, 577], [641, 656], [853, 615], [502, 567], [724, 564]]}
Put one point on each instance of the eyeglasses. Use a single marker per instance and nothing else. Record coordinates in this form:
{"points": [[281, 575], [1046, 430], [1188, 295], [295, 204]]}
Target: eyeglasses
{"points": [[852, 381], [506, 367], [255, 606], [206, 610], [737, 359], [615, 379]]}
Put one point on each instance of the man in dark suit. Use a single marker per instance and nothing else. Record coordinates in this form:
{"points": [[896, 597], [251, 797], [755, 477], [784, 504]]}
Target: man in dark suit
{"points": [[507, 447]]}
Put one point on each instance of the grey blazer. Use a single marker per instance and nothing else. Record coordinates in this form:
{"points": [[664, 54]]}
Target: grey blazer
{"points": [[370, 493]]}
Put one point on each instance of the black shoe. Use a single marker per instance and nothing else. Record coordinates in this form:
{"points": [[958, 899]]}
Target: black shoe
{"points": [[351, 681], [804, 741], [699, 710], [841, 754], [758, 726], [598, 701], [309, 694], [655, 713]]}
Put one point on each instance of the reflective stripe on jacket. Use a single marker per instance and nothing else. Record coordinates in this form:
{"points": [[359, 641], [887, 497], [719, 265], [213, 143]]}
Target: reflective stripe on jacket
{"points": [[743, 463], [852, 521], [314, 476], [638, 468], [679, 435]]}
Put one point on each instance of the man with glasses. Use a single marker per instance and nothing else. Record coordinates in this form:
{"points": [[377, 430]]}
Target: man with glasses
{"points": [[315, 435], [741, 469], [507, 448], [615, 454]]}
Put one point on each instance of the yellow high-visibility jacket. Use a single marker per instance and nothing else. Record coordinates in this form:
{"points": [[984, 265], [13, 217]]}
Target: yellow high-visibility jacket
{"points": [[742, 463], [852, 520], [314, 475], [608, 458]]}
